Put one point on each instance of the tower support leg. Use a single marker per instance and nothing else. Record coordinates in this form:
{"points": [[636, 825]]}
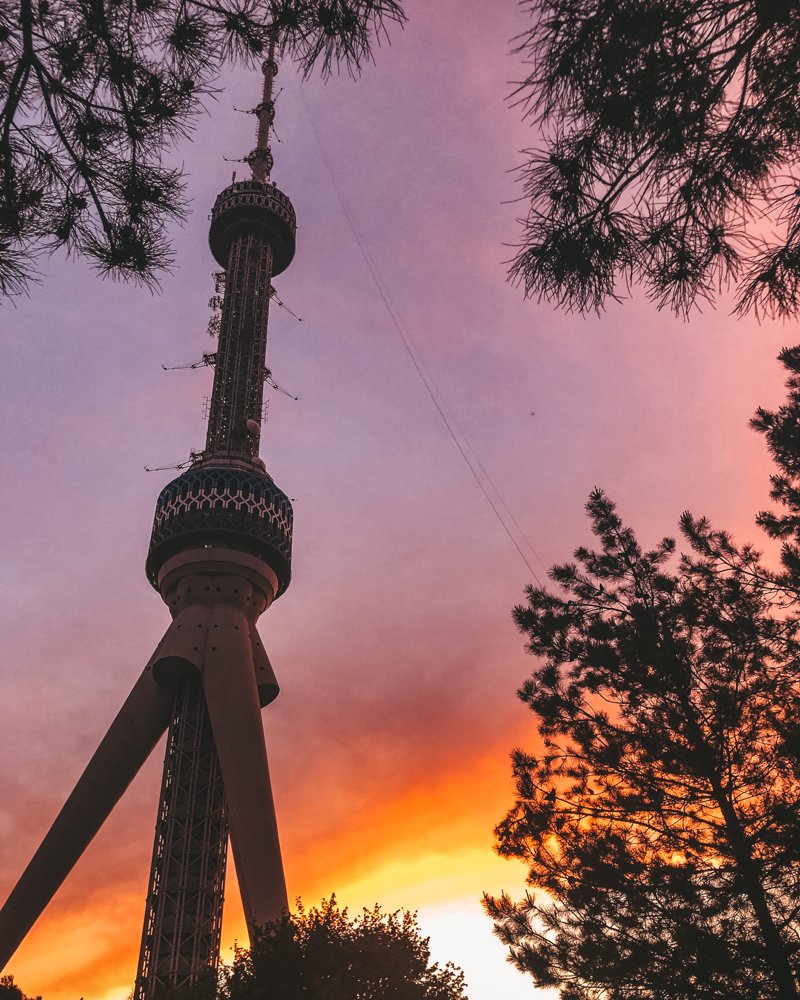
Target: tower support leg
{"points": [[229, 682], [126, 746]]}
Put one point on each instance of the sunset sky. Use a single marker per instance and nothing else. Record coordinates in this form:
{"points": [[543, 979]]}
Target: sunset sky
{"points": [[394, 645]]}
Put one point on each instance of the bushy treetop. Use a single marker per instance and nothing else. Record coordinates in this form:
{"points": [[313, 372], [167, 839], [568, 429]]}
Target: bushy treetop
{"points": [[325, 954], [10, 991]]}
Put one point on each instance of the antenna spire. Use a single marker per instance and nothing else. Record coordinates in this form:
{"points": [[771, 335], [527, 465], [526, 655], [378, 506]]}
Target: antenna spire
{"points": [[260, 159], [252, 237]]}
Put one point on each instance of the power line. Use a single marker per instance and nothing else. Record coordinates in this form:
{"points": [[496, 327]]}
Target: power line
{"points": [[434, 391]]}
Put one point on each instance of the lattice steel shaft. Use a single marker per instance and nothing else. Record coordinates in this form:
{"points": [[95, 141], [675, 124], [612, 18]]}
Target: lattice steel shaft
{"points": [[183, 917], [238, 394]]}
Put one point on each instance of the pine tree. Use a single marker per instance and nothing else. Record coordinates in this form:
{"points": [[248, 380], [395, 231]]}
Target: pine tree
{"points": [[93, 92], [670, 138], [660, 825]]}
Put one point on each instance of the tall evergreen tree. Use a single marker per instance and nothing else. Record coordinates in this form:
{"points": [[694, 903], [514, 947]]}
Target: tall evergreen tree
{"points": [[93, 92], [670, 139], [661, 823]]}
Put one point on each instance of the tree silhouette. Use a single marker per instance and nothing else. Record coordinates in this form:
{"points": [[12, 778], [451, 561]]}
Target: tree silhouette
{"points": [[781, 429], [661, 823], [92, 93], [10, 991], [323, 954], [671, 134]]}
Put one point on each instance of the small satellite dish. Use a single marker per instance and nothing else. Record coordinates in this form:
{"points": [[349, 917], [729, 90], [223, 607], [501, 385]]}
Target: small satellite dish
{"points": [[253, 426]]}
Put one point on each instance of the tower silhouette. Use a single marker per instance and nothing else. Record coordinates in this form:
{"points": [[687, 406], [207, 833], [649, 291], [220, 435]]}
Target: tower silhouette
{"points": [[220, 553]]}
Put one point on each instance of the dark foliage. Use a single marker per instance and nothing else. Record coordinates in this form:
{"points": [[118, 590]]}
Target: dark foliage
{"points": [[92, 92], [10, 991], [203, 988], [323, 954], [669, 159], [661, 823], [781, 429]]}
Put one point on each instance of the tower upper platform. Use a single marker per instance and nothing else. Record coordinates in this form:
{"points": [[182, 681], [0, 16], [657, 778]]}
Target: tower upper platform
{"points": [[253, 207]]}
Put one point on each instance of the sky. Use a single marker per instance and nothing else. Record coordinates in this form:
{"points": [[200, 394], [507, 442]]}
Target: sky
{"points": [[394, 646]]}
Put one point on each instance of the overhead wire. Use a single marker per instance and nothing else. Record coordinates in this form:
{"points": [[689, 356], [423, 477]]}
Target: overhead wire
{"points": [[434, 391]]}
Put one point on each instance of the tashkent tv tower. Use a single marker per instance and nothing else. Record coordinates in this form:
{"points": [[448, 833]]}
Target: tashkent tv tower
{"points": [[220, 553]]}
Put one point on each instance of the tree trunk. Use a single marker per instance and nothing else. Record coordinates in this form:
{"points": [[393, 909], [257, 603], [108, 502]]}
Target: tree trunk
{"points": [[749, 872], [746, 866]]}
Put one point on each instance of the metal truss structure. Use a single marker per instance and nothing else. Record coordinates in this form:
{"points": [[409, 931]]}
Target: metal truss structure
{"points": [[183, 918]]}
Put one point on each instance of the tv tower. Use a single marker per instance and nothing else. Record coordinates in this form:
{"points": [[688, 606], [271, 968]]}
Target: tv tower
{"points": [[220, 554]]}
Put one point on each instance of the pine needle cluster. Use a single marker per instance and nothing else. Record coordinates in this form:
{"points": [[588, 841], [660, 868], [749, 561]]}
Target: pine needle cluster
{"points": [[94, 92], [670, 153]]}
